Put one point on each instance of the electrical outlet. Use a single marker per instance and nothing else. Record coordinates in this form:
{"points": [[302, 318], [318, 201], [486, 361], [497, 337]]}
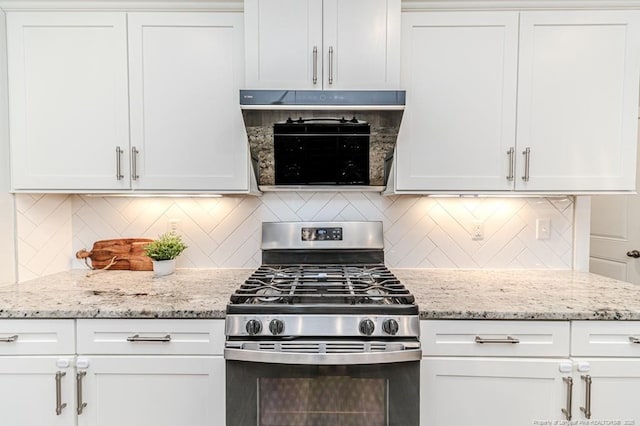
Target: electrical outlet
{"points": [[477, 230], [173, 225], [543, 229]]}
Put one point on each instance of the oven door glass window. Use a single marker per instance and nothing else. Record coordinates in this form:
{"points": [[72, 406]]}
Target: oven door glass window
{"points": [[265, 394], [330, 400]]}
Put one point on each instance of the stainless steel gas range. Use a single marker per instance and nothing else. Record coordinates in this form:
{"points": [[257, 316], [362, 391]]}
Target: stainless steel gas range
{"points": [[322, 333]]}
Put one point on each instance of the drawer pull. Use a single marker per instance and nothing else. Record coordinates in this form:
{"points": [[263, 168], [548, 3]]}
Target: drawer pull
{"points": [[508, 340], [587, 398], [9, 339], [138, 338], [59, 404], [633, 339], [567, 411]]}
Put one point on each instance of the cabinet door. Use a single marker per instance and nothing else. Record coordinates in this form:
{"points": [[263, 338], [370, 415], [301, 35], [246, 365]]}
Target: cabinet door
{"points": [[490, 391], [28, 391], [615, 385], [578, 100], [361, 40], [68, 100], [459, 70], [158, 391], [186, 124], [281, 38]]}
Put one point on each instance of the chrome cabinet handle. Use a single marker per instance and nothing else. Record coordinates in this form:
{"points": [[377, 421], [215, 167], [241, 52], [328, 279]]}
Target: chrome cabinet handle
{"points": [[587, 398], [81, 405], [635, 340], [509, 339], [567, 411], [9, 339], [138, 338], [527, 158], [134, 163], [330, 64], [510, 154], [633, 253], [119, 175], [315, 64], [59, 404]]}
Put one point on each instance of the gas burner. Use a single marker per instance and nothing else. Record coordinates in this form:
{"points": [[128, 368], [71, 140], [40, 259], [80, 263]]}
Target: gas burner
{"points": [[267, 295]]}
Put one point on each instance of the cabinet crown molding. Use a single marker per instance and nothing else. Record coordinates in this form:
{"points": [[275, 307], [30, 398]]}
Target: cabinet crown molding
{"points": [[424, 5]]}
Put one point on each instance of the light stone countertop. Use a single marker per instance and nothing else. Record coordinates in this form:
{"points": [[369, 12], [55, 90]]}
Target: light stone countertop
{"points": [[440, 294]]}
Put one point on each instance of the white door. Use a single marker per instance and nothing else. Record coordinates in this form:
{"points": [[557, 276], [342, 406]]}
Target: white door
{"points": [[361, 44], [153, 391], [459, 70], [490, 391], [578, 100], [615, 236], [283, 44], [68, 100], [615, 385], [29, 392], [187, 131]]}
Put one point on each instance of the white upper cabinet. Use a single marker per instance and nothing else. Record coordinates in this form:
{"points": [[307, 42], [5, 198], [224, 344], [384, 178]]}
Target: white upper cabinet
{"points": [[578, 100], [460, 72], [68, 99], [322, 44], [549, 104], [187, 131]]}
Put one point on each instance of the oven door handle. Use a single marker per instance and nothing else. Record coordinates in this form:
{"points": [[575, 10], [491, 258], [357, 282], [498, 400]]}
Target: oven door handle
{"points": [[299, 358]]}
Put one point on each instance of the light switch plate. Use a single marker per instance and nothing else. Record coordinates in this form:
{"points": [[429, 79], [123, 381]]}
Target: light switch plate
{"points": [[543, 229]]}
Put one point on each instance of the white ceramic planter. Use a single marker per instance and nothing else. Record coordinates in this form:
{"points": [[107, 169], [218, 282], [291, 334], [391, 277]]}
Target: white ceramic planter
{"points": [[163, 267]]}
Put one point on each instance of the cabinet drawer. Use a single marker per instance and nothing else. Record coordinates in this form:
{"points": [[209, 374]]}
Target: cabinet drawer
{"points": [[152, 337], [495, 338], [36, 337], [605, 338]]}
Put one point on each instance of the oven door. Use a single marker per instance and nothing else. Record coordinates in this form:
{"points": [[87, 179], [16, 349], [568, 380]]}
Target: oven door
{"points": [[268, 394]]}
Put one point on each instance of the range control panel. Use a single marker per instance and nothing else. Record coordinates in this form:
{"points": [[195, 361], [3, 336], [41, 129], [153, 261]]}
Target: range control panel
{"points": [[321, 234]]}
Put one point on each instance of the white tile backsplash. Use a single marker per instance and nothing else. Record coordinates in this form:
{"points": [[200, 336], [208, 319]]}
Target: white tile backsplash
{"points": [[225, 232]]}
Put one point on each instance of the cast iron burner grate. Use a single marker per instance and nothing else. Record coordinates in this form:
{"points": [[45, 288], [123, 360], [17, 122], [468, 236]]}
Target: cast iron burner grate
{"points": [[322, 284]]}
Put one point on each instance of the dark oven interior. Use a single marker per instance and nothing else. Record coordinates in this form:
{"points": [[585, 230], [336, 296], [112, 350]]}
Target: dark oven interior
{"points": [[261, 394]]}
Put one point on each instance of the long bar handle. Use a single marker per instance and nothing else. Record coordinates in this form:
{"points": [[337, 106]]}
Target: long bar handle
{"points": [[330, 64], [81, 405], [138, 338], [59, 404], [634, 339], [587, 398], [119, 175], [508, 339], [315, 64], [510, 154], [527, 160], [567, 411], [134, 163], [9, 339]]}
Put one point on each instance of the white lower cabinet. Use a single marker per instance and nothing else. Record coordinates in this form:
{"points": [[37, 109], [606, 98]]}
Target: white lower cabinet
{"points": [[491, 391], [613, 395], [152, 390], [150, 372], [494, 373], [36, 391], [37, 386]]}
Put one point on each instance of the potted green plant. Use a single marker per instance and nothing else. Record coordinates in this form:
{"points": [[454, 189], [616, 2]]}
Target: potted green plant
{"points": [[163, 253]]}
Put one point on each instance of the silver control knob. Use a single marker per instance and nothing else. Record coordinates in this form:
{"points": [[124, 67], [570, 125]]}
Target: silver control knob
{"points": [[390, 326], [276, 326], [367, 327], [253, 327]]}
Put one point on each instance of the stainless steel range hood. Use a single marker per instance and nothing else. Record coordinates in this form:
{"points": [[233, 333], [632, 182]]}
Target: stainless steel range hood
{"points": [[371, 100]]}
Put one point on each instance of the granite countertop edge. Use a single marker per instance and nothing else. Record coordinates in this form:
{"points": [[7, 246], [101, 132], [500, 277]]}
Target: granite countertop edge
{"points": [[441, 294]]}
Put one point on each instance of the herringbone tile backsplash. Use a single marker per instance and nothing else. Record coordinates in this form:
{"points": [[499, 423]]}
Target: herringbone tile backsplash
{"points": [[420, 232]]}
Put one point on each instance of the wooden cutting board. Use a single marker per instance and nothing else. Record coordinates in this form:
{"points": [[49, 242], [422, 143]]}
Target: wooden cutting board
{"points": [[120, 254]]}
